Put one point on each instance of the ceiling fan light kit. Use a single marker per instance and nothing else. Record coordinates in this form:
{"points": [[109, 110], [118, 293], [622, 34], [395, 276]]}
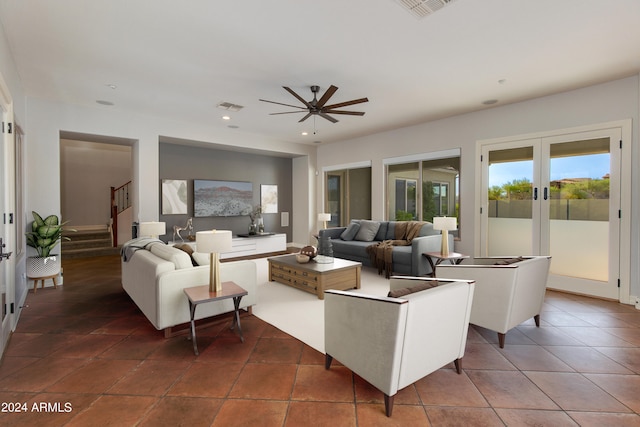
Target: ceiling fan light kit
{"points": [[318, 107]]}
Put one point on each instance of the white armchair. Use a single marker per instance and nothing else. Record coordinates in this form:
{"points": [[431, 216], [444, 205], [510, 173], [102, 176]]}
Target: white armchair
{"points": [[393, 342], [508, 290]]}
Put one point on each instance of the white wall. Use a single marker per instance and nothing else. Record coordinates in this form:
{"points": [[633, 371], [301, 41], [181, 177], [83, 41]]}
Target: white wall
{"points": [[601, 103]]}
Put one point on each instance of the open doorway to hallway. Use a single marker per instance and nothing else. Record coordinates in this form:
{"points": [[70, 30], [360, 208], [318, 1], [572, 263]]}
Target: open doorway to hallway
{"points": [[95, 174]]}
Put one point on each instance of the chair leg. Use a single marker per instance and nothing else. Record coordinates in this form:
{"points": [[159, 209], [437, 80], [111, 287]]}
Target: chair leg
{"points": [[458, 363], [537, 320], [327, 361], [501, 338], [388, 404]]}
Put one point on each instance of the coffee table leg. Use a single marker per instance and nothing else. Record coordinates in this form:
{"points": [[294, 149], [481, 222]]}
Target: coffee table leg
{"points": [[192, 310], [236, 317]]}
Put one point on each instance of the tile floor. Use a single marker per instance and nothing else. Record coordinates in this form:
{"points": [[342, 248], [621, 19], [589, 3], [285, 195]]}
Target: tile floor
{"points": [[86, 353]]}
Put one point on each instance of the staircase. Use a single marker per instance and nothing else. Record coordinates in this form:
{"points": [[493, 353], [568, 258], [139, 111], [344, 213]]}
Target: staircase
{"points": [[88, 243]]}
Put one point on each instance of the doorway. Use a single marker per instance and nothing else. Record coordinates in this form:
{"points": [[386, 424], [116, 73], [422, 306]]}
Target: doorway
{"points": [[7, 223], [559, 195]]}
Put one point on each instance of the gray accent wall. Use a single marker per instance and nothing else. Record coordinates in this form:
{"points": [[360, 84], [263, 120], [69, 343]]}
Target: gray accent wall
{"points": [[188, 162]]}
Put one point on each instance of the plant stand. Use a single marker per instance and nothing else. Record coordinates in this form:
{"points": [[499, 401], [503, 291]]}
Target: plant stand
{"points": [[42, 279]]}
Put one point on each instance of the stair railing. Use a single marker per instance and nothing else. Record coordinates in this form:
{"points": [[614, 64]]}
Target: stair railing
{"points": [[120, 201]]}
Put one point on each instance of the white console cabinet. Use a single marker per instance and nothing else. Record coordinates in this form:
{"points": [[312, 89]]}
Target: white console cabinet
{"points": [[247, 246]]}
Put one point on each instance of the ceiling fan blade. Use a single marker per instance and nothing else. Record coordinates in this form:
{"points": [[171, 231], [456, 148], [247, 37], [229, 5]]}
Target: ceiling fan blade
{"points": [[287, 112], [298, 97], [280, 103], [328, 117], [325, 97], [346, 103], [350, 113], [304, 118]]}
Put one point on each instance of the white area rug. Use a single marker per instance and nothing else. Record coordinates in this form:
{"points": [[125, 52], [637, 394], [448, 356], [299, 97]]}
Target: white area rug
{"points": [[299, 313]]}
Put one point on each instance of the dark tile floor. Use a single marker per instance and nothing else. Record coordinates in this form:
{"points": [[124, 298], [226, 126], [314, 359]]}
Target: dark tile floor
{"points": [[85, 356]]}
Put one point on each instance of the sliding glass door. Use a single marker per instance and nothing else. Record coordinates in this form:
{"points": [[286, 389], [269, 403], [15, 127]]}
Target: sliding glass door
{"points": [[557, 196]]}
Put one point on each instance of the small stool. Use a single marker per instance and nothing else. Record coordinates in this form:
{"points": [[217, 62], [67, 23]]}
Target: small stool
{"points": [[42, 279]]}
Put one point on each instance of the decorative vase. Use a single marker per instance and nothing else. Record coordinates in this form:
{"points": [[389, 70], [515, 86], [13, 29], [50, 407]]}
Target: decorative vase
{"points": [[39, 266], [253, 228], [260, 225], [325, 251]]}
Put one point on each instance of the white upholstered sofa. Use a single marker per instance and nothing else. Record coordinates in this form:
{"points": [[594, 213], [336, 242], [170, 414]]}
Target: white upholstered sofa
{"points": [[155, 278], [509, 290], [391, 342]]}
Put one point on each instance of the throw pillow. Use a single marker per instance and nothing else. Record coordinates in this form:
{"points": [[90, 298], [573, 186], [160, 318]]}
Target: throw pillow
{"points": [[509, 261], [368, 231], [399, 293], [350, 232], [188, 249], [179, 258], [201, 258]]}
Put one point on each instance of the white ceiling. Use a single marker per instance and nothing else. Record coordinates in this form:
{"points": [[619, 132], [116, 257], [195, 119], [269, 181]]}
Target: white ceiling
{"points": [[180, 59]]}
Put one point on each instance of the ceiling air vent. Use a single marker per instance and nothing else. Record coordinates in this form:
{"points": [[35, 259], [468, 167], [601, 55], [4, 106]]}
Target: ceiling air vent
{"points": [[422, 8], [229, 106]]}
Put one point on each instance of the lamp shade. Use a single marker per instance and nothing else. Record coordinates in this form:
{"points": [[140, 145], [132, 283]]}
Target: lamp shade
{"points": [[444, 223], [213, 241], [324, 217], [152, 229]]}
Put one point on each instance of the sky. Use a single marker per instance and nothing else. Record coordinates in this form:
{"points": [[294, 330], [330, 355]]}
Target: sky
{"points": [[589, 166]]}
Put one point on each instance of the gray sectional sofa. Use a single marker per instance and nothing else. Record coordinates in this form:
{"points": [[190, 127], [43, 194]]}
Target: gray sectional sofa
{"points": [[407, 260]]}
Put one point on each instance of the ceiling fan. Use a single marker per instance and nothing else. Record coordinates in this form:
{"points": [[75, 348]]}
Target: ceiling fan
{"points": [[317, 107]]}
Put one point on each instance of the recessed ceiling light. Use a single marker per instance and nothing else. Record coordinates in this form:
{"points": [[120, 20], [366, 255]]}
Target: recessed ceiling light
{"points": [[305, 133], [226, 118], [502, 81], [102, 102], [112, 86], [490, 101]]}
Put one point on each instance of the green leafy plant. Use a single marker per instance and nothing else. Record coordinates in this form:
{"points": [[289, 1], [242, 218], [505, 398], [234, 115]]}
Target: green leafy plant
{"points": [[45, 233]]}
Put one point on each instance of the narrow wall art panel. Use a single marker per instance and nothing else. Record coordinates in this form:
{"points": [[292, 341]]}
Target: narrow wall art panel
{"points": [[174, 196]]}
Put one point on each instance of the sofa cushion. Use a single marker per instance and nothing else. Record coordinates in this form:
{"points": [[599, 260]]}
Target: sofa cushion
{"points": [[179, 258], [391, 231], [367, 231], [399, 293], [382, 231], [351, 231]]}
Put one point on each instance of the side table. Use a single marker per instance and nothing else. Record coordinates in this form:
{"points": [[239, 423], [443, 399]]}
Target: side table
{"points": [[200, 295], [453, 258]]}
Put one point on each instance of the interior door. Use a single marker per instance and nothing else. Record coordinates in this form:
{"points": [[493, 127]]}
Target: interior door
{"points": [[557, 196], [7, 229]]}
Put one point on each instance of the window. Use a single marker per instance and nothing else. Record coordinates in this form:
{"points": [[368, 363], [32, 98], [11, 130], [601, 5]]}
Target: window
{"points": [[424, 186]]}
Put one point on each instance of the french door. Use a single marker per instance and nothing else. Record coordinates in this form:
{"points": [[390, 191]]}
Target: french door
{"points": [[557, 195]]}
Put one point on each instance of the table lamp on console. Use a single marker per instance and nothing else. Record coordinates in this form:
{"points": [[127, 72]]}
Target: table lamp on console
{"points": [[446, 224], [152, 229], [213, 242]]}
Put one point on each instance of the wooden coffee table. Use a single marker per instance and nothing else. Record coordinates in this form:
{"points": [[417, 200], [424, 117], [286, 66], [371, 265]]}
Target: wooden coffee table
{"points": [[314, 277]]}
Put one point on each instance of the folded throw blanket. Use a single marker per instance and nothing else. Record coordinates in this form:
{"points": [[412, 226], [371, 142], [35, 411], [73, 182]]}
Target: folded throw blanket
{"points": [[381, 253], [129, 248]]}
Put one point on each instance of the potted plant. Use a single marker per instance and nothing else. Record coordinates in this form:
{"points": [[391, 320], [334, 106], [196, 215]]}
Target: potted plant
{"points": [[45, 234]]}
